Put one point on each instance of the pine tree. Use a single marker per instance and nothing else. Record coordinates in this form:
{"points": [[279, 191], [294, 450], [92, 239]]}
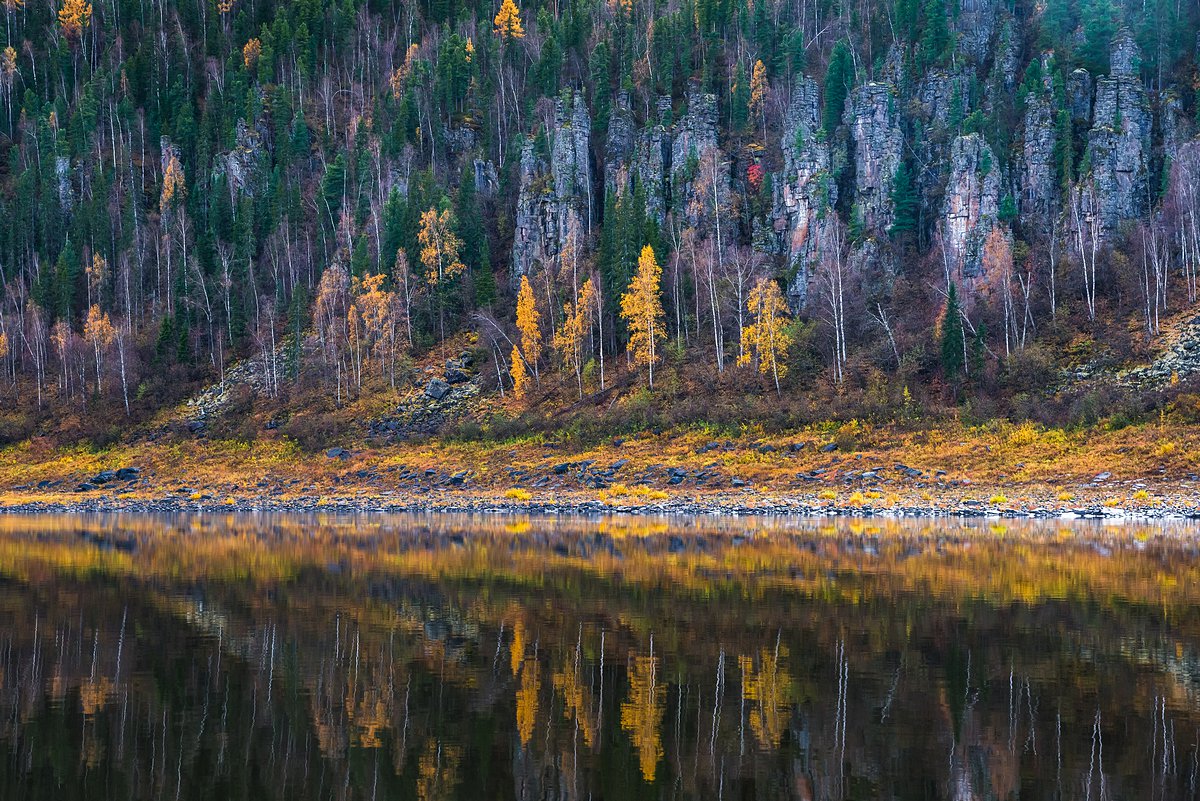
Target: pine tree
{"points": [[935, 38], [904, 202], [953, 342], [642, 311], [740, 99], [839, 79], [475, 246]]}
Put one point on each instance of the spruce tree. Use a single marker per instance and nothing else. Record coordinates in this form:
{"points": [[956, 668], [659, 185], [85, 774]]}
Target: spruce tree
{"points": [[474, 237], [839, 79], [952, 337], [904, 202]]}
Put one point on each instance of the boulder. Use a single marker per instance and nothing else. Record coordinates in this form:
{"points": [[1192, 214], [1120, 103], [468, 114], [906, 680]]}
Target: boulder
{"points": [[437, 389]]}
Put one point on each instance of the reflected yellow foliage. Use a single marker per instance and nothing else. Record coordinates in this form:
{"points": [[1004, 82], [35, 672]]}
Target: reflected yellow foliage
{"points": [[527, 699], [437, 771], [577, 701], [94, 694], [768, 688], [517, 649], [642, 713]]}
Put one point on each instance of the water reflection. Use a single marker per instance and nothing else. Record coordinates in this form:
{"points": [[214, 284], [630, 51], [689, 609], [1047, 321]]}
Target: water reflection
{"points": [[451, 658]]}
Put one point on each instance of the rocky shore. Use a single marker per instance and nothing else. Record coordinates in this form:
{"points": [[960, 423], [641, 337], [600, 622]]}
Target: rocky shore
{"points": [[719, 505]]}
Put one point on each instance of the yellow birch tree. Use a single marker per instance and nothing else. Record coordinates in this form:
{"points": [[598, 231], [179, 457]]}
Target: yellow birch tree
{"points": [[569, 339], [518, 373], [767, 337], [641, 309]]}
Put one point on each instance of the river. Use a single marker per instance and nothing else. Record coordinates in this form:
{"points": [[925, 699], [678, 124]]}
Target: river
{"points": [[442, 657]]}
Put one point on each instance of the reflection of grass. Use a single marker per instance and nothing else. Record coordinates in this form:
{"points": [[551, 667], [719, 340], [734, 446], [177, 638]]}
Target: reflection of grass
{"points": [[1019, 560]]}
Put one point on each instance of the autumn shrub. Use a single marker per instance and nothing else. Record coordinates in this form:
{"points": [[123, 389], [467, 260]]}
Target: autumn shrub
{"points": [[15, 427]]}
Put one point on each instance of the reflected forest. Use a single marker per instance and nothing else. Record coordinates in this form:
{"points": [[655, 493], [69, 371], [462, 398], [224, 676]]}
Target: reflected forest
{"points": [[454, 658]]}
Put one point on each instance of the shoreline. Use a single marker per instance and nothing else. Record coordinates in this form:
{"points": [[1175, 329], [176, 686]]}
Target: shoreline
{"points": [[722, 505]]}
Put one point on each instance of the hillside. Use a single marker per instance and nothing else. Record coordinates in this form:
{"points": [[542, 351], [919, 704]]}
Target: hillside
{"points": [[254, 221]]}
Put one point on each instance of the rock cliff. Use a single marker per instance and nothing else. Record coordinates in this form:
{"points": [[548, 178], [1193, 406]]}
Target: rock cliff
{"points": [[555, 191]]}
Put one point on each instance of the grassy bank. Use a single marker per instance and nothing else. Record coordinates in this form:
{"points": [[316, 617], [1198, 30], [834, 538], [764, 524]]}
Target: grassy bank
{"points": [[850, 463]]}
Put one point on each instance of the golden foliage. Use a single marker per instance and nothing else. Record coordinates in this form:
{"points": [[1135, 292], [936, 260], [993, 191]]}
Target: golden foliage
{"points": [[577, 701], [517, 648], [401, 73], [767, 337], [641, 308], [98, 329], [759, 88], [73, 17], [224, 6], [437, 771], [440, 247], [173, 187], [8, 64], [5, 349], [95, 270], [518, 373], [569, 339], [768, 688], [251, 51], [642, 713], [508, 22], [528, 321], [527, 699]]}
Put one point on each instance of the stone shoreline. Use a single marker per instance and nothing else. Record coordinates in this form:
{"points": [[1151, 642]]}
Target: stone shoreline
{"points": [[716, 506]]}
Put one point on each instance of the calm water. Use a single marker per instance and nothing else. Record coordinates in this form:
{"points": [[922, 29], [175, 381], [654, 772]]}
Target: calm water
{"points": [[449, 658]]}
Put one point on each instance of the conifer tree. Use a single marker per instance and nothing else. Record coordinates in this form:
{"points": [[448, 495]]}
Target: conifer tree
{"points": [[953, 342], [839, 79], [905, 202]]}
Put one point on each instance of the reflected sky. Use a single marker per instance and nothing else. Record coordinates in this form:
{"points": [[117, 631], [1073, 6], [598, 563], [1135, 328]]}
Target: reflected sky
{"points": [[442, 657]]}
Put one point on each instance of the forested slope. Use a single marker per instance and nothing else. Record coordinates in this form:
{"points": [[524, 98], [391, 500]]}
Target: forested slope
{"points": [[824, 208]]}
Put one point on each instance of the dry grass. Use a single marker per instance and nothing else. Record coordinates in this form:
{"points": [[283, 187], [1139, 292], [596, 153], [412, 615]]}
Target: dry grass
{"points": [[1041, 462]]}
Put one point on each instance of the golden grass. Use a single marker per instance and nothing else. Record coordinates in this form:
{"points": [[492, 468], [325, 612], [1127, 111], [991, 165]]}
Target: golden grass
{"points": [[994, 455]]}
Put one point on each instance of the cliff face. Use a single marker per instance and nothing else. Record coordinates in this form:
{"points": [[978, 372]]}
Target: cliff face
{"points": [[555, 194], [699, 168], [675, 155], [971, 205], [1039, 196], [877, 142], [805, 192], [1118, 149]]}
